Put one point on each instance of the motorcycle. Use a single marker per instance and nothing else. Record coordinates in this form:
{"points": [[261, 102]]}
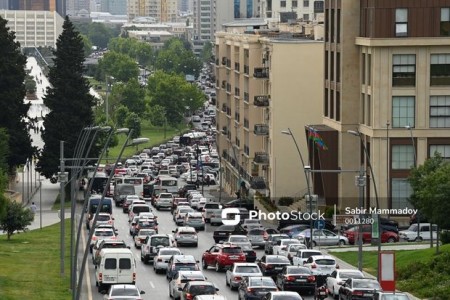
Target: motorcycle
{"points": [[321, 292]]}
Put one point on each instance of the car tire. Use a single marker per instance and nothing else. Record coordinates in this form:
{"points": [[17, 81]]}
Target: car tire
{"points": [[100, 287], [204, 265], [196, 245], [391, 240], [145, 260], [217, 266], [341, 243], [226, 281], [419, 239]]}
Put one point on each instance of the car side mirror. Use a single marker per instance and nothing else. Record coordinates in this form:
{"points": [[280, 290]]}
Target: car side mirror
{"points": [[128, 247], [142, 292], [207, 251], [173, 231], [180, 289]]}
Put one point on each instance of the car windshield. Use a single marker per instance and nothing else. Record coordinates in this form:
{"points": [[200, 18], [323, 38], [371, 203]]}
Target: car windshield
{"points": [[256, 232], [104, 233], [325, 262], [413, 227], [185, 279], [350, 275], [202, 290], [394, 297], [290, 242], [187, 232], [124, 292], [299, 270], [169, 252], [146, 232], [185, 267], [261, 282], [103, 218], [232, 250], [196, 219], [164, 241], [238, 239], [247, 269], [295, 247], [185, 210], [278, 259], [286, 297], [369, 284]]}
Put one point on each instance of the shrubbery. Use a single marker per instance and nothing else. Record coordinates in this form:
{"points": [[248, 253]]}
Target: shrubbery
{"points": [[286, 201]]}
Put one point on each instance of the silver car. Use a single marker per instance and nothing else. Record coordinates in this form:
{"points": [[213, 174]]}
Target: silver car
{"points": [[238, 271], [195, 219], [215, 217], [180, 279], [162, 258], [186, 236], [256, 237]]}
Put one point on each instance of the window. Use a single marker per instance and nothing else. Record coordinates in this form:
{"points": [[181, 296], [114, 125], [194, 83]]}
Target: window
{"points": [[401, 22], [283, 4], [404, 70], [124, 264], [294, 3], [440, 69], [110, 264], [401, 191], [363, 68], [369, 69], [305, 3], [305, 17], [369, 111], [326, 65], [403, 111], [439, 111], [325, 103], [443, 150], [338, 106], [445, 21], [402, 157]]}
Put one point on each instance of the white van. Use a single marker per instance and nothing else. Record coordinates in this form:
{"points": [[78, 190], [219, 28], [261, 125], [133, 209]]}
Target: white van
{"points": [[419, 232], [117, 265]]}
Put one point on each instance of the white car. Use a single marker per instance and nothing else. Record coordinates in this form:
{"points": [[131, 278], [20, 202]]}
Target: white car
{"points": [[238, 271], [302, 256], [321, 264], [419, 232], [281, 246], [161, 260], [180, 279], [338, 277], [123, 291], [102, 218], [292, 249]]}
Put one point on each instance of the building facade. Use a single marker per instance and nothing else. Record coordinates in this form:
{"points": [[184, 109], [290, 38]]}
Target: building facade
{"points": [[114, 7], [283, 10], [261, 91], [161, 10], [387, 76], [34, 28]]}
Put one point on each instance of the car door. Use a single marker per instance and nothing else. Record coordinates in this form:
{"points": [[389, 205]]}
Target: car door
{"points": [[173, 283], [125, 269], [331, 280], [346, 289], [210, 256], [425, 232], [262, 264], [330, 237]]}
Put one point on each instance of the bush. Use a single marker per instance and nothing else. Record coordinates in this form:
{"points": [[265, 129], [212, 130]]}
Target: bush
{"points": [[286, 201], [445, 237], [329, 211]]}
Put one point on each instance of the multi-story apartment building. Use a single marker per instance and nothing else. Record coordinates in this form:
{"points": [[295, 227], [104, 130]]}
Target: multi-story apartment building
{"points": [[114, 7], [50, 5], [244, 9], [34, 28], [387, 76], [161, 10], [306, 10], [266, 83], [74, 6]]}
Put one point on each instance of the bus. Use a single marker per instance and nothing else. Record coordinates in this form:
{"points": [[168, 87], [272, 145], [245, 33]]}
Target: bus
{"points": [[168, 183], [98, 183], [138, 183]]}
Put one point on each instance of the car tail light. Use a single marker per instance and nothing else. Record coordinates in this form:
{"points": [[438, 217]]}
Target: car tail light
{"points": [[311, 278], [269, 267], [134, 277], [237, 278], [100, 276], [250, 290], [159, 259], [94, 238], [313, 266], [290, 278], [357, 293], [188, 296], [337, 266]]}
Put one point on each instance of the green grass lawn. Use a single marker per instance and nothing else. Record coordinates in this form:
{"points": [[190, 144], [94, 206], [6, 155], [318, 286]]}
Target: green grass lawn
{"points": [[419, 272], [30, 265]]}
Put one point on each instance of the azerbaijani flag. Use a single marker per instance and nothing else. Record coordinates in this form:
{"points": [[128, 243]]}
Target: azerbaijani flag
{"points": [[316, 138]]}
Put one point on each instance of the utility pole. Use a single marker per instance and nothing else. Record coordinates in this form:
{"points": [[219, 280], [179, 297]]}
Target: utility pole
{"points": [[62, 182]]}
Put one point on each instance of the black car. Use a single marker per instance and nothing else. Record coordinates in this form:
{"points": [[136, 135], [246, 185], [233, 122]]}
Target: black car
{"points": [[250, 254], [358, 288], [295, 278], [187, 187], [271, 265], [222, 233], [254, 288], [240, 203]]}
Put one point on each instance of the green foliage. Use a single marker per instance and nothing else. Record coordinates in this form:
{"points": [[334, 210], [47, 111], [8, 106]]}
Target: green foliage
{"points": [[174, 94], [99, 34], [329, 211], [176, 58], [120, 66], [207, 52], [445, 237], [16, 218], [286, 201], [431, 190], [68, 100], [87, 45], [132, 121], [156, 114], [131, 95], [121, 115], [13, 110], [134, 48], [30, 84]]}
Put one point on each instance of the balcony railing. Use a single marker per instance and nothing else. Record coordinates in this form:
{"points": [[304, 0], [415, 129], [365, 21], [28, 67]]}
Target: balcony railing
{"points": [[237, 67], [261, 129], [224, 130], [246, 96], [261, 101], [261, 73], [261, 158], [246, 69], [224, 107], [237, 92], [224, 60], [246, 123]]}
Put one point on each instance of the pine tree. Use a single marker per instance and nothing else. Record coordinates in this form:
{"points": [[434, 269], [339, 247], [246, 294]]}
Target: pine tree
{"points": [[68, 99], [13, 110]]}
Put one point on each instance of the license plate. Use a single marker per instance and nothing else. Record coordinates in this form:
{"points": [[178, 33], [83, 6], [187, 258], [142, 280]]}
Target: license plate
{"points": [[109, 278], [301, 280], [367, 295], [278, 268], [222, 233], [234, 257]]}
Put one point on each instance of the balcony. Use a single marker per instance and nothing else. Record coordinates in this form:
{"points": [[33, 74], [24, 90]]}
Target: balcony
{"points": [[224, 107], [237, 92], [261, 129], [217, 62], [237, 117], [246, 123], [228, 111], [246, 70], [246, 96], [224, 60], [224, 84], [237, 67], [224, 130], [246, 150], [261, 73], [228, 63], [228, 88], [261, 158], [258, 183], [261, 101]]}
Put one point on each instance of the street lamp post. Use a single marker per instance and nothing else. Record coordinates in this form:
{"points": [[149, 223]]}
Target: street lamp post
{"points": [[289, 132]]}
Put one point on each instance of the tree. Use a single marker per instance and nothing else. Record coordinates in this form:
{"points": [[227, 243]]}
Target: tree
{"points": [[69, 101], [121, 115], [4, 153], [134, 48], [16, 218], [132, 121], [156, 114], [100, 35], [87, 45], [120, 66], [13, 111], [172, 92], [431, 190], [131, 95], [207, 53]]}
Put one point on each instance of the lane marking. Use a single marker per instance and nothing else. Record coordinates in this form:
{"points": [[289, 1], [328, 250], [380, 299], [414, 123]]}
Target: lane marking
{"points": [[152, 285], [86, 270]]}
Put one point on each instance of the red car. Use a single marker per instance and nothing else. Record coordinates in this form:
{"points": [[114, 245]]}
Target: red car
{"points": [[221, 256], [386, 236]]}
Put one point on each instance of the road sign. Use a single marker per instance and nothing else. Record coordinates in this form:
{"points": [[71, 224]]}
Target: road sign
{"points": [[319, 224]]}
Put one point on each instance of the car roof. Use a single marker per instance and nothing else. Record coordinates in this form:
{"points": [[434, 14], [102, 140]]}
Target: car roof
{"points": [[186, 228], [191, 273], [201, 283], [242, 264], [315, 257], [183, 258]]}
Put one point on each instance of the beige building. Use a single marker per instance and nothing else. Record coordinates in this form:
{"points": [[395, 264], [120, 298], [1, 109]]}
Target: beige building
{"points": [[161, 10], [34, 28], [387, 75], [266, 83]]}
